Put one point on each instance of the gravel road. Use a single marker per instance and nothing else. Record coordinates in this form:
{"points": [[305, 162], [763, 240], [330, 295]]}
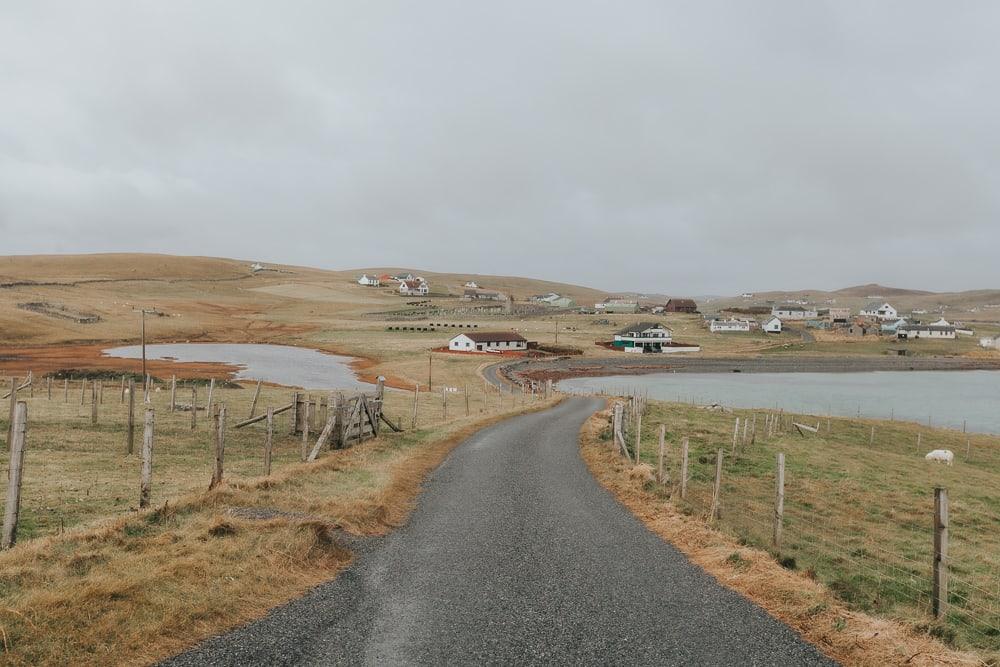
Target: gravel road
{"points": [[516, 555]]}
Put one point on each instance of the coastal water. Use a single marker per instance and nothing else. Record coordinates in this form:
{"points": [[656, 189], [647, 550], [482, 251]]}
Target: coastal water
{"points": [[280, 364], [946, 397]]}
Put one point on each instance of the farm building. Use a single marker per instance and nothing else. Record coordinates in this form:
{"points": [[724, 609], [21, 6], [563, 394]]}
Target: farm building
{"points": [[615, 306], [892, 327], [794, 313], [858, 329], [729, 326], [879, 311], [413, 287], [838, 315], [476, 294], [772, 325], [471, 284], [681, 306], [643, 337], [909, 331], [369, 281], [488, 341]]}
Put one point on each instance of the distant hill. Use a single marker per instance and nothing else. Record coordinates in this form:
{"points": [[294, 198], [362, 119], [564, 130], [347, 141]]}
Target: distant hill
{"points": [[874, 289]]}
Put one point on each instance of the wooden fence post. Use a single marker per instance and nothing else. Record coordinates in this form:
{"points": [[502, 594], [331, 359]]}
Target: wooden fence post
{"points": [[173, 393], [638, 434], [413, 419], [66, 389], [219, 436], [48, 386], [147, 459], [269, 442], [256, 395], [12, 411], [208, 404], [684, 468], [123, 390], [83, 391], [444, 403], [194, 408], [736, 434], [93, 404], [939, 593], [716, 512], [130, 425], [779, 501], [468, 410], [305, 430], [100, 392], [663, 436], [12, 508]]}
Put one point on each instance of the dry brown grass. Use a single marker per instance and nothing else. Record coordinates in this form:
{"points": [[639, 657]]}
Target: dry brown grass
{"points": [[850, 637], [138, 588]]}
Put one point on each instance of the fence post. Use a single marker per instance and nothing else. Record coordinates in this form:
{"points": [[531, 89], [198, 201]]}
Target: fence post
{"points": [[123, 390], [716, 512], [211, 390], [66, 390], [269, 442], [83, 391], [130, 426], [194, 408], [305, 430], [638, 435], [93, 404], [444, 403], [16, 469], [12, 411], [871, 438], [779, 501], [173, 393], [736, 434], [219, 435], [48, 386], [256, 395], [684, 468], [100, 392], [468, 410], [939, 594], [663, 436], [147, 459], [413, 419]]}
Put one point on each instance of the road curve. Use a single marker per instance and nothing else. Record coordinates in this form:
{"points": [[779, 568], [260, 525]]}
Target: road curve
{"points": [[516, 555]]}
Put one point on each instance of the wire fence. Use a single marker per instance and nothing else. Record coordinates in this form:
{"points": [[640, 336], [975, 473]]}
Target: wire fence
{"points": [[877, 555]]}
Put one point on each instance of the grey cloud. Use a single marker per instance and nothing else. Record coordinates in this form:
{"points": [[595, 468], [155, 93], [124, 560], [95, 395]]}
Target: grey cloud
{"points": [[681, 147]]}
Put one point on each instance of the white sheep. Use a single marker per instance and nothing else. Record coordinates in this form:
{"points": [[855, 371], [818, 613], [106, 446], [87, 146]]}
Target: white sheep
{"points": [[941, 456]]}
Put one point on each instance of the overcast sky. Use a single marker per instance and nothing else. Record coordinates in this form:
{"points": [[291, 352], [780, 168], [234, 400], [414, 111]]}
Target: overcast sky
{"points": [[681, 147]]}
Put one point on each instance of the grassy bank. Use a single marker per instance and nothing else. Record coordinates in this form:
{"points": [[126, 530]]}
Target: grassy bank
{"points": [[858, 508], [143, 585]]}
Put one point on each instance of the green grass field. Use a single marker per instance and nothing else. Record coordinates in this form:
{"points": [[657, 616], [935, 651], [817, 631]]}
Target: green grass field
{"points": [[858, 512]]}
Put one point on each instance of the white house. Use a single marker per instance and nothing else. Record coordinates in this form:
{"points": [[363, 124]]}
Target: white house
{"points": [[773, 325], [907, 331], [643, 337], [488, 341], [413, 288], [369, 281], [794, 312], [471, 284], [879, 311], [729, 326]]}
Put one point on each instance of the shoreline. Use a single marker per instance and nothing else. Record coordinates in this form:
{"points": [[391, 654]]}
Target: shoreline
{"points": [[564, 368]]}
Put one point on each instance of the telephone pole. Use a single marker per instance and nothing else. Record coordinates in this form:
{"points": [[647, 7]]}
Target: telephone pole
{"points": [[142, 333]]}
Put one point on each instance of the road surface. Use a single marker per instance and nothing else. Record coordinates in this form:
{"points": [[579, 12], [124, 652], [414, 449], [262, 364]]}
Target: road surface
{"points": [[516, 555]]}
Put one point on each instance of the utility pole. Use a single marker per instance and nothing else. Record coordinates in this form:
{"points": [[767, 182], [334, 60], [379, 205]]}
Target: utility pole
{"points": [[142, 333]]}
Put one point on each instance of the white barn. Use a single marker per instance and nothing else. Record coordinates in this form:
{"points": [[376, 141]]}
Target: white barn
{"points": [[880, 311], [908, 331], [773, 325], [488, 341], [794, 313], [413, 287], [729, 326], [369, 281]]}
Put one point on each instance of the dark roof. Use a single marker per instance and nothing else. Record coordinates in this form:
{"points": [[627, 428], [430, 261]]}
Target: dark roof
{"points": [[495, 337], [924, 327], [685, 303], [641, 326]]}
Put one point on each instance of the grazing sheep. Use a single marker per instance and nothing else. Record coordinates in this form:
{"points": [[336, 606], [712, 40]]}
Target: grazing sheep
{"points": [[941, 456]]}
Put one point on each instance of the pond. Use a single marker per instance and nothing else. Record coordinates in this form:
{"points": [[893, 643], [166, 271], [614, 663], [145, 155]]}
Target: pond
{"points": [[280, 364], [946, 397]]}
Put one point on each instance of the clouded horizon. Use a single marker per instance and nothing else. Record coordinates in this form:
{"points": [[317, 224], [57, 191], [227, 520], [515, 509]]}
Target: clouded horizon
{"points": [[685, 148]]}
